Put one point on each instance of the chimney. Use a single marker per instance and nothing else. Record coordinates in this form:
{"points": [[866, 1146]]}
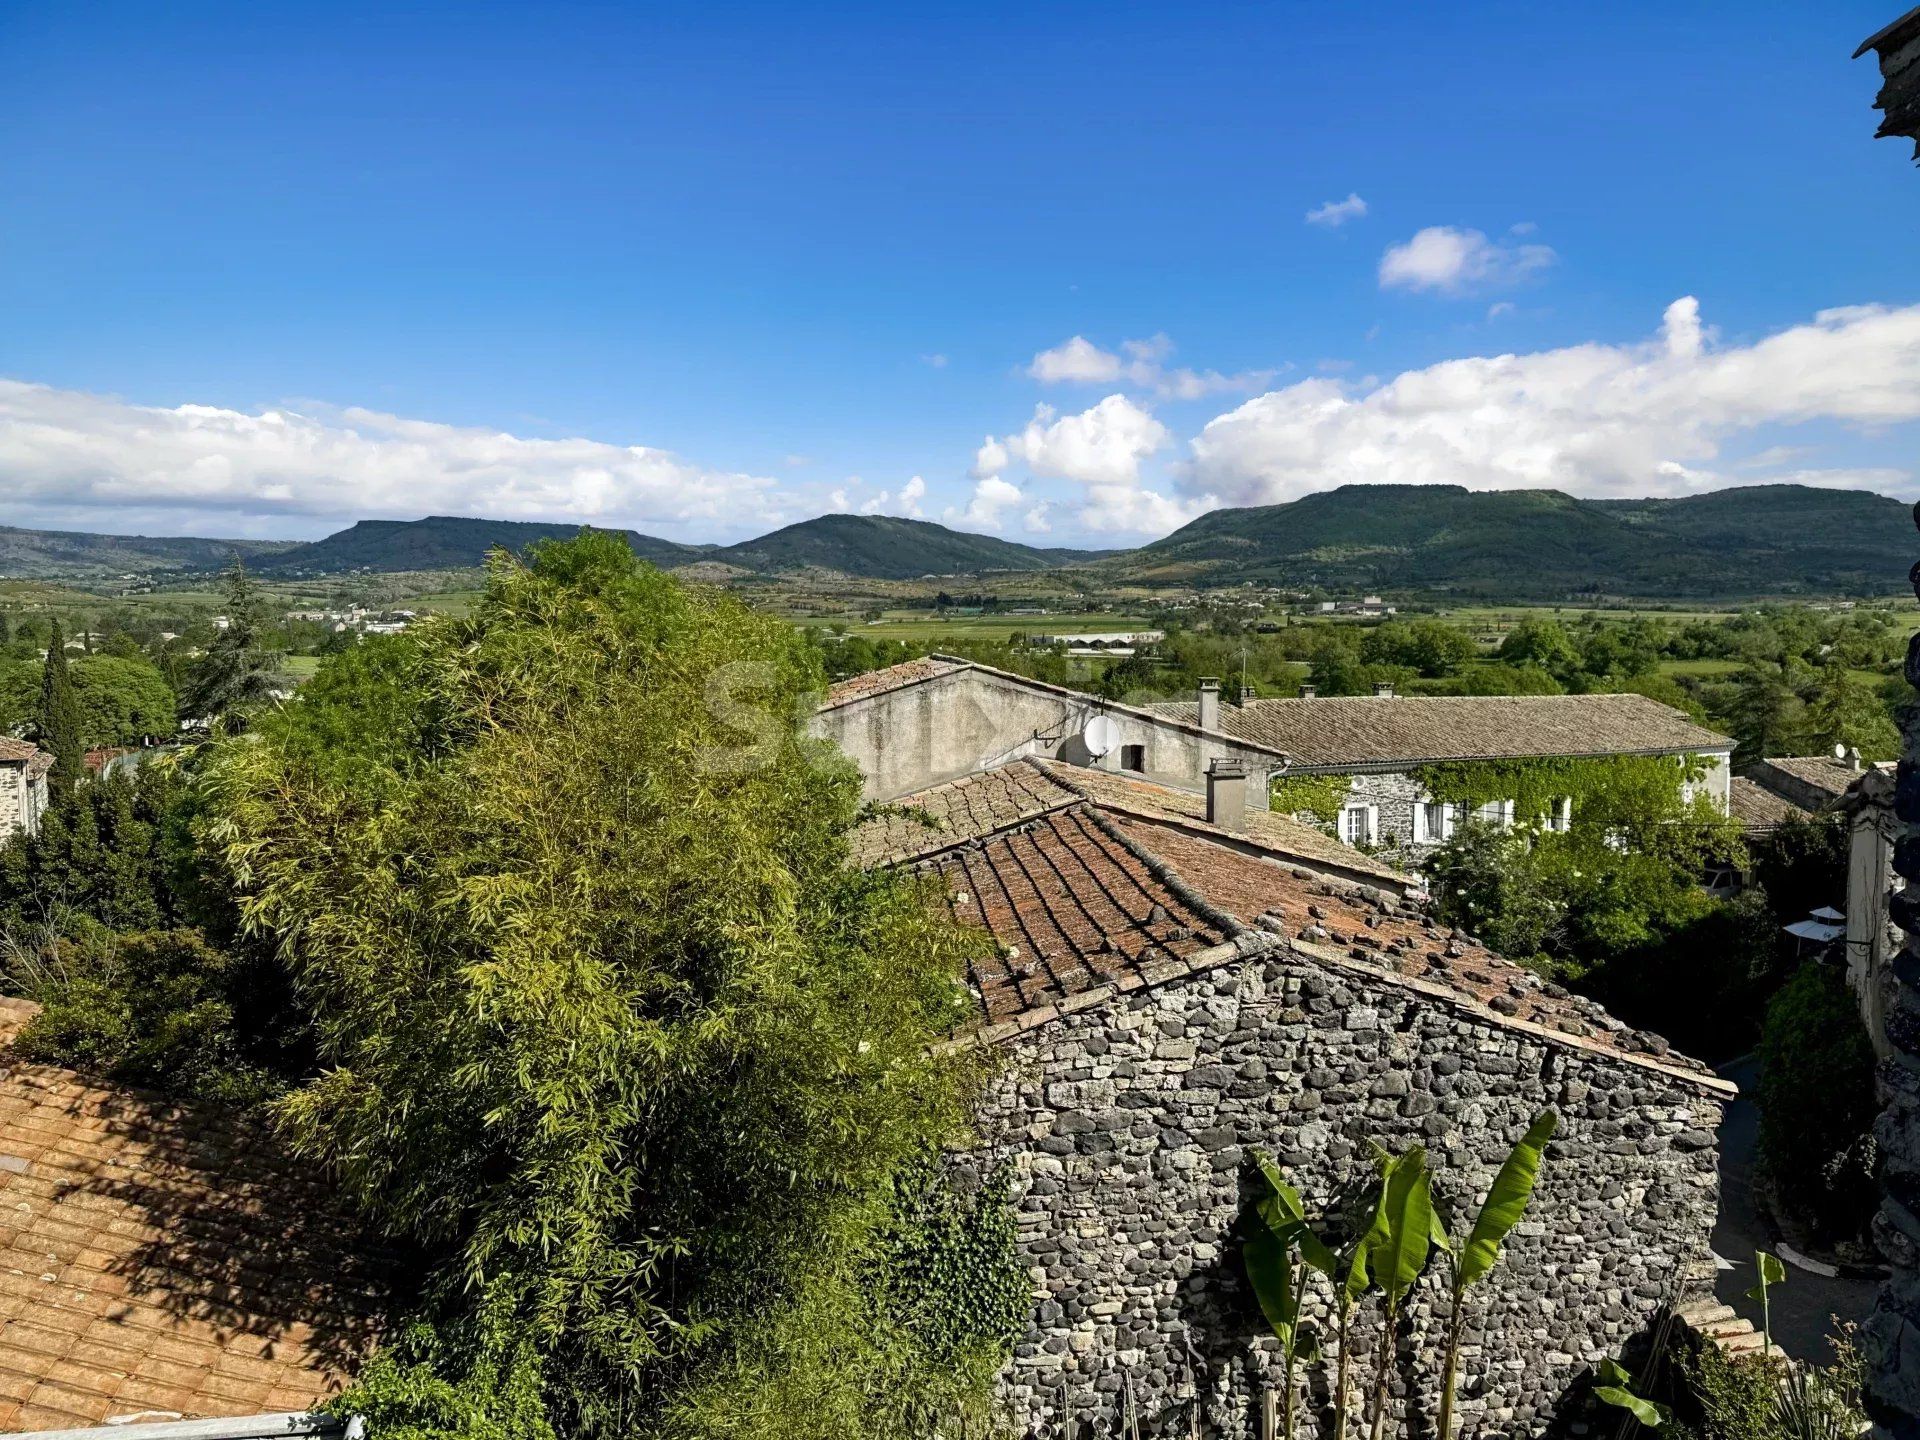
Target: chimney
{"points": [[1308, 690], [1246, 694], [1383, 689], [1227, 795], [1209, 704]]}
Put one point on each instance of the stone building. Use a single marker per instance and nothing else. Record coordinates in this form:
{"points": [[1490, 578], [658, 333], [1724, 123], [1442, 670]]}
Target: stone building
{"points": [[1786, 788], [23, 785], [1179, 979], [1378, 742], [924, 721]]}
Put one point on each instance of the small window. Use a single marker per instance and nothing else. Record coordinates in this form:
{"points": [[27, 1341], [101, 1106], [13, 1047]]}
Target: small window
{"points": [[1432, 822], [1562, 817], [1133, 757], [1356, 824]]}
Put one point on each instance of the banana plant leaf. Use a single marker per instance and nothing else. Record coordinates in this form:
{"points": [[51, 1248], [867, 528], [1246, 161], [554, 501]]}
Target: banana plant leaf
{"points": [[1271, 1275], [1772, 1273], [1617, 1390], [1507, 1201], [1283, 1214], [1406, 1212]]}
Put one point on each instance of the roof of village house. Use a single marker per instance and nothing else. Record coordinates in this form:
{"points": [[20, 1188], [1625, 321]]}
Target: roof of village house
{"points": [[893, 677], [1758, 809], [1820, 773], [1091, 888], [1352, 730], [14, 752], [159, 1261]]}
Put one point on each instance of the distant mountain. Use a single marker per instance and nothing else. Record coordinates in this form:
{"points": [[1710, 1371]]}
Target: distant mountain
{"points": [[74, 554], [882, 547], [443, 542], [1753, 541]]}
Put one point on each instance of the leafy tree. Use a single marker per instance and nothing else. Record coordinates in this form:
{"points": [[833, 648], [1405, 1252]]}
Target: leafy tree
{"points": [[1540, 642], [1846, 710], [605, 1017], [1432, 647], [236, 674], [1766, 716], [58, 724]]}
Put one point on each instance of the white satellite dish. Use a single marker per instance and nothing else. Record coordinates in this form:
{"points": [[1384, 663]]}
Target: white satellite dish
{"points": [[1101, 736], [1839, 752]]}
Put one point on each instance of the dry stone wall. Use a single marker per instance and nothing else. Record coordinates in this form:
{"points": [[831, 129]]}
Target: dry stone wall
{"points": [[1128, 1127]]}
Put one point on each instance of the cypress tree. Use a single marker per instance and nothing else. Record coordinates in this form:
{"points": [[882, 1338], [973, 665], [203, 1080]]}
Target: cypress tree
{"points": [[60, 722]]}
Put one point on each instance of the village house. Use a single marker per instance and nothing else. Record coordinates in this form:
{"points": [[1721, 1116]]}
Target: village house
{"points": [[1790, 788], [1177, 980], [1379, 742], [23, 785], [915, 724]]}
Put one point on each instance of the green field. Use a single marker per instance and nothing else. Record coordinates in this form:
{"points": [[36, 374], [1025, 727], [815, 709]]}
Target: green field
{"points": [[919, 625]]}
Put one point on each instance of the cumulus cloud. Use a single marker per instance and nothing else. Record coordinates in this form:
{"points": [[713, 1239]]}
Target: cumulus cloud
{"points": [[70, 452], [984, 508], [1101, 449], [1624, 420], [907, 503], [1138, 364], [1454, 262], [1336, 213]]}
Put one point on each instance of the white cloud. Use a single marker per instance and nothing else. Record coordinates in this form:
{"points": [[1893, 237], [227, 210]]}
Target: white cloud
{"points": [[907, 503], [1499, 308], [1138, 364], [1454, 262], [1039, 519], [990, 497], [1100, 449], [938, 362], [1336, 213], [70, 452], [1592, 419]]}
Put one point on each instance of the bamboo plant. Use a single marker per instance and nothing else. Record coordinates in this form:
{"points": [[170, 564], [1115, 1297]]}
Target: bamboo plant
{"points": [[1505, 1204]]}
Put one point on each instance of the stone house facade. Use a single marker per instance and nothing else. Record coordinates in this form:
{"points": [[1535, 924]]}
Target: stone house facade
{"points": [[916, 724], [1176, 982], [23, 785], [1377, 743]]}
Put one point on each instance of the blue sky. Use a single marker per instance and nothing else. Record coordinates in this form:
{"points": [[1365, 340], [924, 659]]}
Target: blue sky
{"points": [[268, 269]]}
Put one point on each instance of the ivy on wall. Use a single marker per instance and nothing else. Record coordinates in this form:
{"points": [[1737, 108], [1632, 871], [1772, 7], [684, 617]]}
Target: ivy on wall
{"points": [[1613, 789], [1318, 795]]}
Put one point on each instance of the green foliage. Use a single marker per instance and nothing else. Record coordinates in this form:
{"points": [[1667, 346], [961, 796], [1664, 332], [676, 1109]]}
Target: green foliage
{"points": [[237, 672], [57, 723], [1431, 647], [148, 1008], [1817, 1105], [120, 700], [1616, 1389], [605, 1017], [113, 855], [1320, 796], [1732, 1396], [952, 1273], [1846, 710], [1765, 715]]}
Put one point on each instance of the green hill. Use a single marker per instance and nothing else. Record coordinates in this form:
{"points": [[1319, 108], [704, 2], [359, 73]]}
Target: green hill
{"points": [[75, 554], [883, 547], [1539, 544], [442, 542]]}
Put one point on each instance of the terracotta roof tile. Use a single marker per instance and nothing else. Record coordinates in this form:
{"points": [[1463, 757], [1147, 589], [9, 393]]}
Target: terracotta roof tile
{"points": [[1758, 809], [1819, 774], [878, 682], [1070, 907], [162, 1257], [1347, 730], [14, 751]]}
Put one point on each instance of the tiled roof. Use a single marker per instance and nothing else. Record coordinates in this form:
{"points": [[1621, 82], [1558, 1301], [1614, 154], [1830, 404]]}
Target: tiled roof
{"points": [[1071, 908], [1820, 774], [14, 751], [1091, 884], [161, 1260], [1341, 730], [878, 682], [40, 765], [1757, 808]]}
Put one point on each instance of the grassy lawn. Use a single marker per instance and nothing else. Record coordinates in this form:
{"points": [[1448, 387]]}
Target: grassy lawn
{"points": [[1713, 668]]}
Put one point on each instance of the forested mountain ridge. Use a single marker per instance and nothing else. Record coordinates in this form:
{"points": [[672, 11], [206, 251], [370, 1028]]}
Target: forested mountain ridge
{"points": [[1752, 540]]}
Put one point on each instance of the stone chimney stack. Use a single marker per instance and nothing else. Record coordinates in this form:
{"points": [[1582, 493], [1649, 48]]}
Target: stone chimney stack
{"points": [[1308, 690], [1209, 704], [1383, 689], [1227, 795]]}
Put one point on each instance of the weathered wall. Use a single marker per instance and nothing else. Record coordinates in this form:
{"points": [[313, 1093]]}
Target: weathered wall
{"points": [[919, 735], [1129, 1126], [15, 810]]}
